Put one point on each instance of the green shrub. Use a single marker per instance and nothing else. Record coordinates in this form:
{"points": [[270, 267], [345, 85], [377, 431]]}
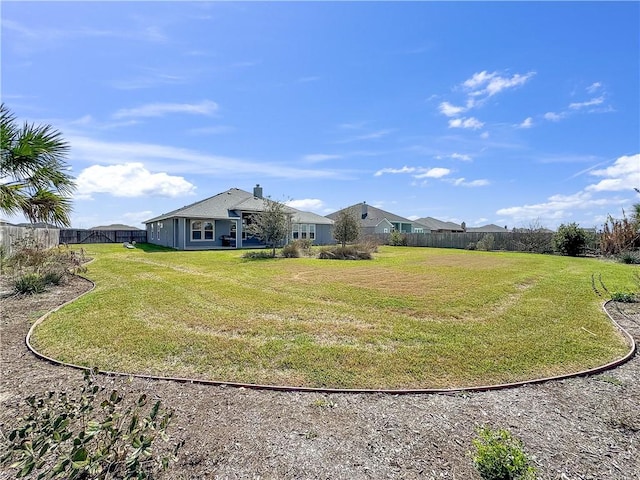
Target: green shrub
{"points": [[623, 297], [569, 240], [471, 246], [98, 435], [629, 257], [29, 284], [486, 242], [500, 456], [397, 239]]}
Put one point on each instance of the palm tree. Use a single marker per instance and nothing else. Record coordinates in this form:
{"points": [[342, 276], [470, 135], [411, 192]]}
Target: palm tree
{"points": [[34, 178]]}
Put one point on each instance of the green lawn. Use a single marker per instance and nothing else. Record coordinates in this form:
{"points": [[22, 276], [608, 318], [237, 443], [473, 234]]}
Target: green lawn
{"points": [[411, 318]]}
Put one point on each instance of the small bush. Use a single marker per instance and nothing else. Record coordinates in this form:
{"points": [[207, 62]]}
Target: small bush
{"points": [[486, 243], [297, 248], [98, 435], [257, 255], [570, 240], [630, 258], [361, 251], [397, 239], [471, 246], [29, 284], [500, 456], [623, 297], [291, 250]]}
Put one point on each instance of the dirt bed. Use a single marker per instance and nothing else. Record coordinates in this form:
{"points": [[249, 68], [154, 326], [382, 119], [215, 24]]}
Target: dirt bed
{"points": [[582, 428]]}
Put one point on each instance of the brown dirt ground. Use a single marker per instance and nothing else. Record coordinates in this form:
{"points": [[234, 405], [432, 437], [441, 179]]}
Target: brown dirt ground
{"points": [[581, 428]]}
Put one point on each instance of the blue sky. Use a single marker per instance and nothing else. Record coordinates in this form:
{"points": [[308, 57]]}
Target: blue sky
{"points": [[506, 113]]}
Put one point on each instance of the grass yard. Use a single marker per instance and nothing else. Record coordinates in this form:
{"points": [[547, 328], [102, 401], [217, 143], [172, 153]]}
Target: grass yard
{"points": [[411, 318]]}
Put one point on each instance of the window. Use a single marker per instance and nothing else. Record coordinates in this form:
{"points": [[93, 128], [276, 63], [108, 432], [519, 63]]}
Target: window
{"points": [[385, 230], [151, 231], [202, 230], [304, 231]]}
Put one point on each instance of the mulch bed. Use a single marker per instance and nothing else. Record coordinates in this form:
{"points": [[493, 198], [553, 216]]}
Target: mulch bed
{"points": [[581, 428]]}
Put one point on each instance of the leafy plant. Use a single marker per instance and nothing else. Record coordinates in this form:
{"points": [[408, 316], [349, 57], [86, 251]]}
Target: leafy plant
{"points": [[34, 267], [29, 284], [271, 225], [570, 240], [629, 257], [346, 228], [97, 435], [500, 456], [623, 297], [486, 242], [397, 239]]}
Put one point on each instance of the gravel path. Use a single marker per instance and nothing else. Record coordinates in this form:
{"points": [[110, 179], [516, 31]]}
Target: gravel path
{"points": [[582, 428]]}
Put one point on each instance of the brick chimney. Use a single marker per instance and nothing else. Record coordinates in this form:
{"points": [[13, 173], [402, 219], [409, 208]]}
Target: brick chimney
{"points": [[257, 191]]}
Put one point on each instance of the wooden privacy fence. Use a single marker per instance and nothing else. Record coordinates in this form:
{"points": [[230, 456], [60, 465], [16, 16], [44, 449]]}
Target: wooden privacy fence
{"points": [[9, 235], [74, 236], [509, 241]]}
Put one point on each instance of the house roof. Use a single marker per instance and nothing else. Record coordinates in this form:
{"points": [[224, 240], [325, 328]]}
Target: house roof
{"points": [[230, 204], [491, 228], [435, 224], [114, 226], [375, 216]]}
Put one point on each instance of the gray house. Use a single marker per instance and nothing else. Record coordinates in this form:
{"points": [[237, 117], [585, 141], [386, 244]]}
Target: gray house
{"points": [[374, 220], [220, 221]]}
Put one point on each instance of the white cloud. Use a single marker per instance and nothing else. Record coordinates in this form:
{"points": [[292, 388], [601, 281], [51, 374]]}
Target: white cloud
{"points": [[489, 84], [594, 87], [553, 117], [484, 135], [320, 157], [462, 182], [437, 172], [206, 107], [624, 174], [527, 123], [450, 110], [307, 204], [130, 180], [404, 169], [590, 103], [471, 123], [461, 156]]}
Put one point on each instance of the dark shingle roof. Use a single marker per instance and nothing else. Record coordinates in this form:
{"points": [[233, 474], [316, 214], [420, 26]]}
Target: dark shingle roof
{"points": [[224, 204], [374, 215]]}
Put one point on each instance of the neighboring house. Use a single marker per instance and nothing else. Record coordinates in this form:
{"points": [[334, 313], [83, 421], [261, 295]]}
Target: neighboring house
{"points": [[433, 225], [374, 220], [115, 226], [220, 221], [491, 228]]}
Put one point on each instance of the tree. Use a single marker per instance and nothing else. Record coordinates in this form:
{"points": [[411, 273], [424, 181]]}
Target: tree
{"points": [[272, 225], [346, 228], [33, 171], [569, 239]]}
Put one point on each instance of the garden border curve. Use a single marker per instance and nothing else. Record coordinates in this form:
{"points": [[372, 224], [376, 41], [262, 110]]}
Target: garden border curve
{"points": [[283, 388]]}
